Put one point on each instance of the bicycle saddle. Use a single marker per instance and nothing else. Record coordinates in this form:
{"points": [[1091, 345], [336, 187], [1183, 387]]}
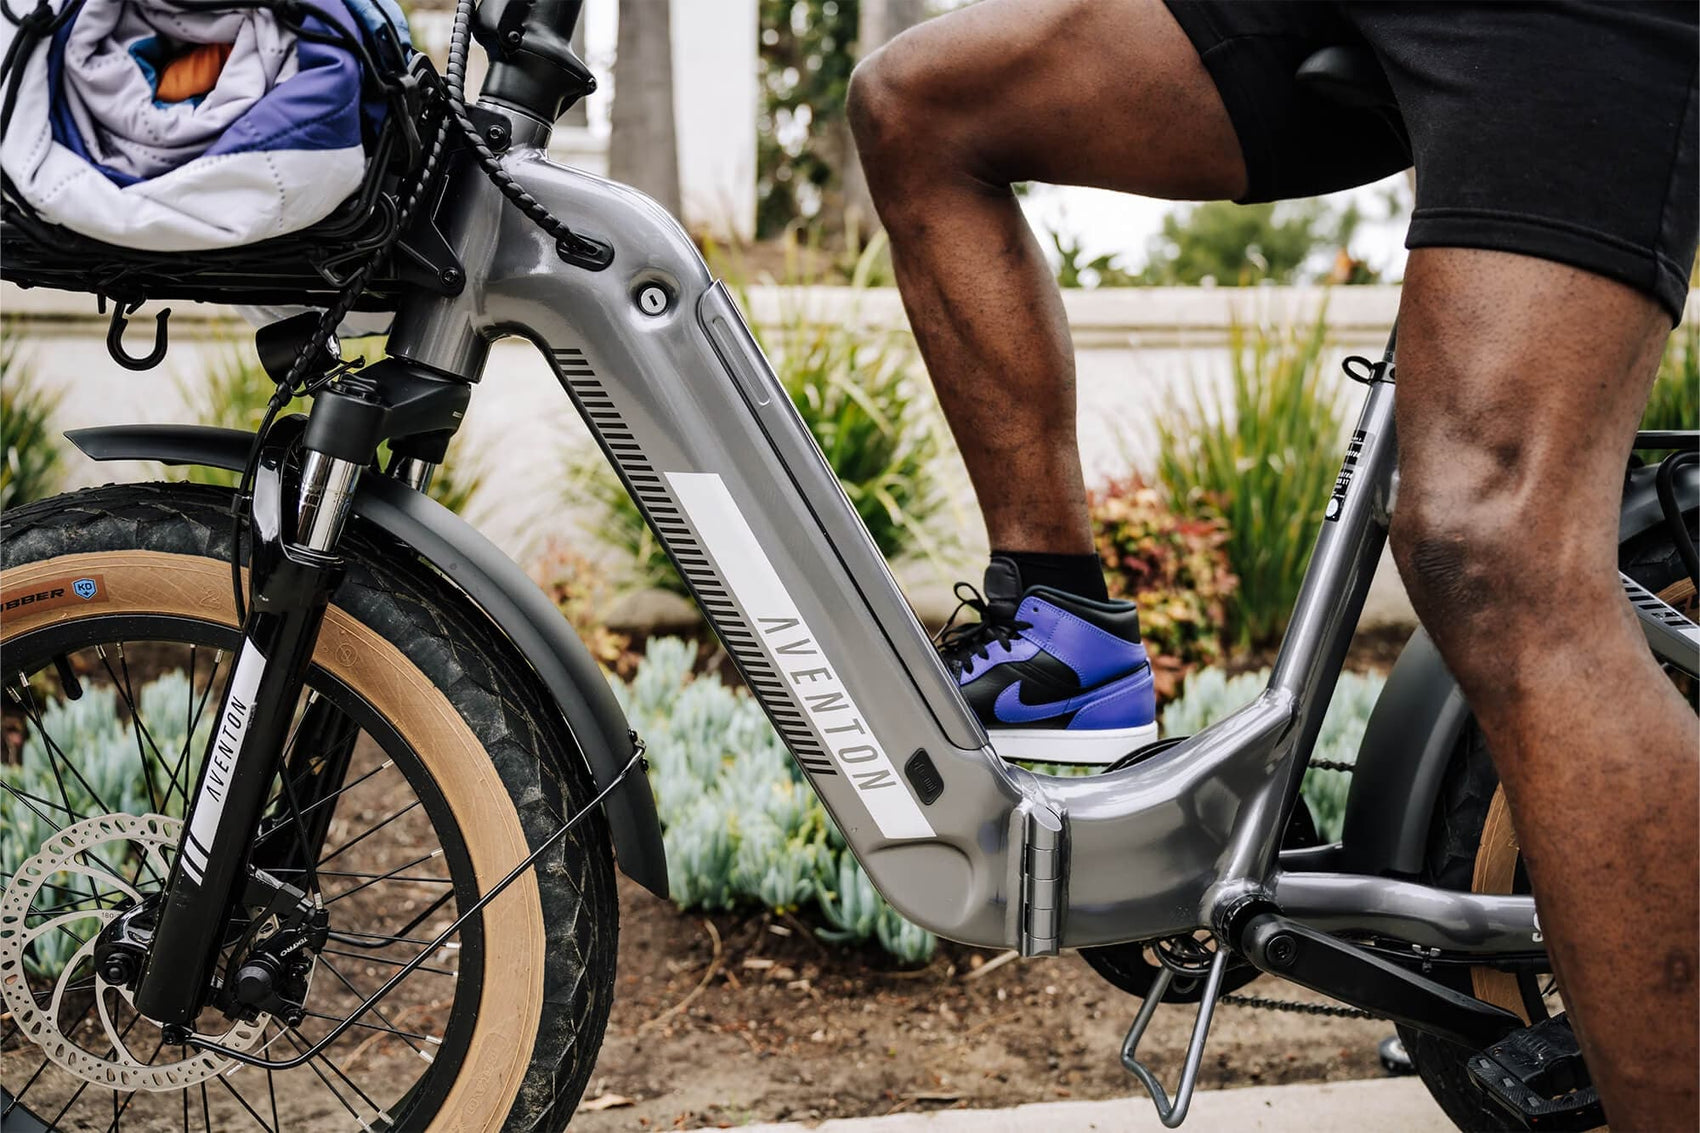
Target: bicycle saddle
{"points": [[1350, 76]]}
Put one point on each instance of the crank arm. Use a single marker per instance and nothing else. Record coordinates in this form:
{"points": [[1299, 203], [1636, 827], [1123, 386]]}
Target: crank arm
{"points": [[1285, 948]]}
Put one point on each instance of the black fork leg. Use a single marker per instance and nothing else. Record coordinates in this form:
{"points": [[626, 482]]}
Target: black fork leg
{"points": [[293, 571]]}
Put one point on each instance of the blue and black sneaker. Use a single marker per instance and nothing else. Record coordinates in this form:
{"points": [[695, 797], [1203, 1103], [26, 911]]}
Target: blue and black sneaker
{"points": [[1054, 678]]}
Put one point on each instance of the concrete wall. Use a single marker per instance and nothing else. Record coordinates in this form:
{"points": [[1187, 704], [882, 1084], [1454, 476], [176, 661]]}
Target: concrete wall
{"points": [[1136, 351]]}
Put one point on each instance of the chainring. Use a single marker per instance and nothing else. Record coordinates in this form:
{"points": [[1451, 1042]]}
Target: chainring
{"points": [[70, 854]]}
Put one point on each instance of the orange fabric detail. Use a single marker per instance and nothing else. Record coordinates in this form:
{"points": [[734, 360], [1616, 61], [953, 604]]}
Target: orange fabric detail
{"points": [[192, 73]]}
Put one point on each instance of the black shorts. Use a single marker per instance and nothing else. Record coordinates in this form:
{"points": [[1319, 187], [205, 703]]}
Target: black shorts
{"points": [[1564, 130]]}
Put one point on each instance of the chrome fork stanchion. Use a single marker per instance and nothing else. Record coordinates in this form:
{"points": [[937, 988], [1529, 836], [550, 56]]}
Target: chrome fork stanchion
{"points": [[327, 489], [1173, 1114], [412, 471]]}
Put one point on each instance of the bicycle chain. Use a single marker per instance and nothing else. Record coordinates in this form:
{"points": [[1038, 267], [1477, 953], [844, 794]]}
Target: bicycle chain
{"points": [[1258, 1002], [1331, 765]]}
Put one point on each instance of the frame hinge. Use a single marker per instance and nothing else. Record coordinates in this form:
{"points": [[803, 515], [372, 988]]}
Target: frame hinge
{"points": [[1044, 878]]}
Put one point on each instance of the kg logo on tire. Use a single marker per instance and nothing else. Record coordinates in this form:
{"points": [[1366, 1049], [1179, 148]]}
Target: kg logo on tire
{"points": [[85, 588]]}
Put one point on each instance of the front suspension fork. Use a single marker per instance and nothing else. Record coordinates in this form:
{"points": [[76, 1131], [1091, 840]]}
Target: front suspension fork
{"points": [[293, 569]]}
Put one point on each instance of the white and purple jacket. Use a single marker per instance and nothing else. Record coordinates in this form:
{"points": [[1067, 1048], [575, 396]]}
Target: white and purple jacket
{"points": [[274, 147]]}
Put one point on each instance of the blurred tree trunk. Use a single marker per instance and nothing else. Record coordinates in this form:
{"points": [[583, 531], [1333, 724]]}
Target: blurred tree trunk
{"points": [[879, 21], [577, 114], [643, 147]]}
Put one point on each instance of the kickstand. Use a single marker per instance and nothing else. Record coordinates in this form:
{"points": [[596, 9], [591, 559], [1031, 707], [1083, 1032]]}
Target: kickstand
{"points": [[1173, 1115]]}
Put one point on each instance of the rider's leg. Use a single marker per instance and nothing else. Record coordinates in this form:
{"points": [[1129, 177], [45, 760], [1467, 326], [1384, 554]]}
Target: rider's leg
{"points": [[1520, 385], [946, 118]]}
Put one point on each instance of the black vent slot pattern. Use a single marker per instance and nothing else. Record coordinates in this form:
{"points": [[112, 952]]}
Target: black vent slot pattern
{"points": [[668, 520]]}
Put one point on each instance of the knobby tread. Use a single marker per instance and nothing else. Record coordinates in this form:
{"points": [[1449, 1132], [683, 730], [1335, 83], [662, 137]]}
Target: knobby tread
{"points": [[392, 591]]}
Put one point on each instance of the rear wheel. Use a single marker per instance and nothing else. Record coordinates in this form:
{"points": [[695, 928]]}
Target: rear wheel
{"points": [[119, 632], [1473, 846]]}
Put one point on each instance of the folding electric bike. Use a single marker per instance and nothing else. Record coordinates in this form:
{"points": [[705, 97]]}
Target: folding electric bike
{"points": [[374, 793]]}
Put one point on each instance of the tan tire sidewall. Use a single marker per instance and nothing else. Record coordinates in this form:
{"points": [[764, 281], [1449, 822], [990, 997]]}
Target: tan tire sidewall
{"points": [[505, 1024]]}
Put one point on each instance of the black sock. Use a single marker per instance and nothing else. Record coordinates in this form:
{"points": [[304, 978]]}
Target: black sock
{"points": [[1080, 575]]}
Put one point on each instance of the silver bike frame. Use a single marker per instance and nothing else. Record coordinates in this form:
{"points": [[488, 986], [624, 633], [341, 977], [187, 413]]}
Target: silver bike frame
{"points": [[670, 382]]}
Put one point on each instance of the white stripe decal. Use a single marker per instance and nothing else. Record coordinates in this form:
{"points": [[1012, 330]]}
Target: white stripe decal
{"points": [[221, 760], [794, 649]]}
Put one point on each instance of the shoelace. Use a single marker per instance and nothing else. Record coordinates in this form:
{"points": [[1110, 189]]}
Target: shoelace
{"points": [[957, 643]]}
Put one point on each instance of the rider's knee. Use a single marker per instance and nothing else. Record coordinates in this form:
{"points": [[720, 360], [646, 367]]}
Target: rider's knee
{"points": [[1467, 549], [883, 102]]}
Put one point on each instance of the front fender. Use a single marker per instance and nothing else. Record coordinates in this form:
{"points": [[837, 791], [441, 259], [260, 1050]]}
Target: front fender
{"points": [[511, 600], [1421, 714]]}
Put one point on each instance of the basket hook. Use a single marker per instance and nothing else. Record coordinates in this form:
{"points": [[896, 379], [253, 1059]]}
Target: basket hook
{"points": [[121, 313]]}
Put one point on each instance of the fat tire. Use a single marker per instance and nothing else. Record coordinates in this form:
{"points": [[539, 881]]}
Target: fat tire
{"points": [[396, 595]]}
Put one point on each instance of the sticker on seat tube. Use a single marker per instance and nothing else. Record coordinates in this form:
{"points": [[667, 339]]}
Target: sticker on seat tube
{"points": [[795, 651], [221, 760], [1343, 482]]}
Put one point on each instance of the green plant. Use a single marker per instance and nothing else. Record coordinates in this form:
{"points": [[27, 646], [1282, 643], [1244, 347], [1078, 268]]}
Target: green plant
{"points": [[1211, 695], [1237, 245], [1174, 567], [110, 769], [1675, 399], [1074, 270], [806, 53], [581, 591], [232, 393], [740, 825], [861, 397], [1266, 455], [32, 466]]}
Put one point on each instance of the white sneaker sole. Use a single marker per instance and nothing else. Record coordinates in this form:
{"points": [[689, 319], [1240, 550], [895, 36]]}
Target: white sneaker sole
{"points": [[1096, 747]]}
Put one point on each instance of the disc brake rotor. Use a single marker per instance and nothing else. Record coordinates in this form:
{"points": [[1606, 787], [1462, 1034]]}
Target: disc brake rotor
{"points": [[72, 855]]}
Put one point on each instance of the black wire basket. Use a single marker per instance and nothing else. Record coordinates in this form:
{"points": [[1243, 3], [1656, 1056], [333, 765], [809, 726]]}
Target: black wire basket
{"points": [[311, 267]]}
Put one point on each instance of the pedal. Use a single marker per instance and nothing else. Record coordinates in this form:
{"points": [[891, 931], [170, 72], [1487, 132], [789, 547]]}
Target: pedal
{"points": [[1538, 1077]]}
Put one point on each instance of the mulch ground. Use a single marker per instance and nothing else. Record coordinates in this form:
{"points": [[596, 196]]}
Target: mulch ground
{"points": [[724, 1020]]}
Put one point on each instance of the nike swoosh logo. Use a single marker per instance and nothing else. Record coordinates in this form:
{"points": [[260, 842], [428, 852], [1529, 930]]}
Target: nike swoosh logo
{"points": [[1010, 709]]}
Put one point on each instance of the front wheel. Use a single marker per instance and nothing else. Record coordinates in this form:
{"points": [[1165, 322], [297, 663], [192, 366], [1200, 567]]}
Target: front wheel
{"points": [[451, 766]]}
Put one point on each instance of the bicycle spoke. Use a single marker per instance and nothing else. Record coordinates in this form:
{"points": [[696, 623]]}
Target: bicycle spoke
{"points": [[313, 806], [37, 811], [392, 875], [335, 1093], [432, 1039], [352, 842], [252, 1112], [379, 876], [69, 910], [353, 1085], [360, 997], [19, 1096], [22, 794], [47, 744], [52, 746], [386, 960], [400, 935], [5, 877], [72, 1100], [179, 782], [127, 691], [118, 1110]]}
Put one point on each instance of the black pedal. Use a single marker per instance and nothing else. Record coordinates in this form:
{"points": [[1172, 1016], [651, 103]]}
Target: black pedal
{"points": [[1538, 1077]]}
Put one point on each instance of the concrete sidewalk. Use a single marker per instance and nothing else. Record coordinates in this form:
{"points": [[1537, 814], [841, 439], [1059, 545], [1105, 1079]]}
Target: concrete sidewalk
{"points": [[1398, 1105]]}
